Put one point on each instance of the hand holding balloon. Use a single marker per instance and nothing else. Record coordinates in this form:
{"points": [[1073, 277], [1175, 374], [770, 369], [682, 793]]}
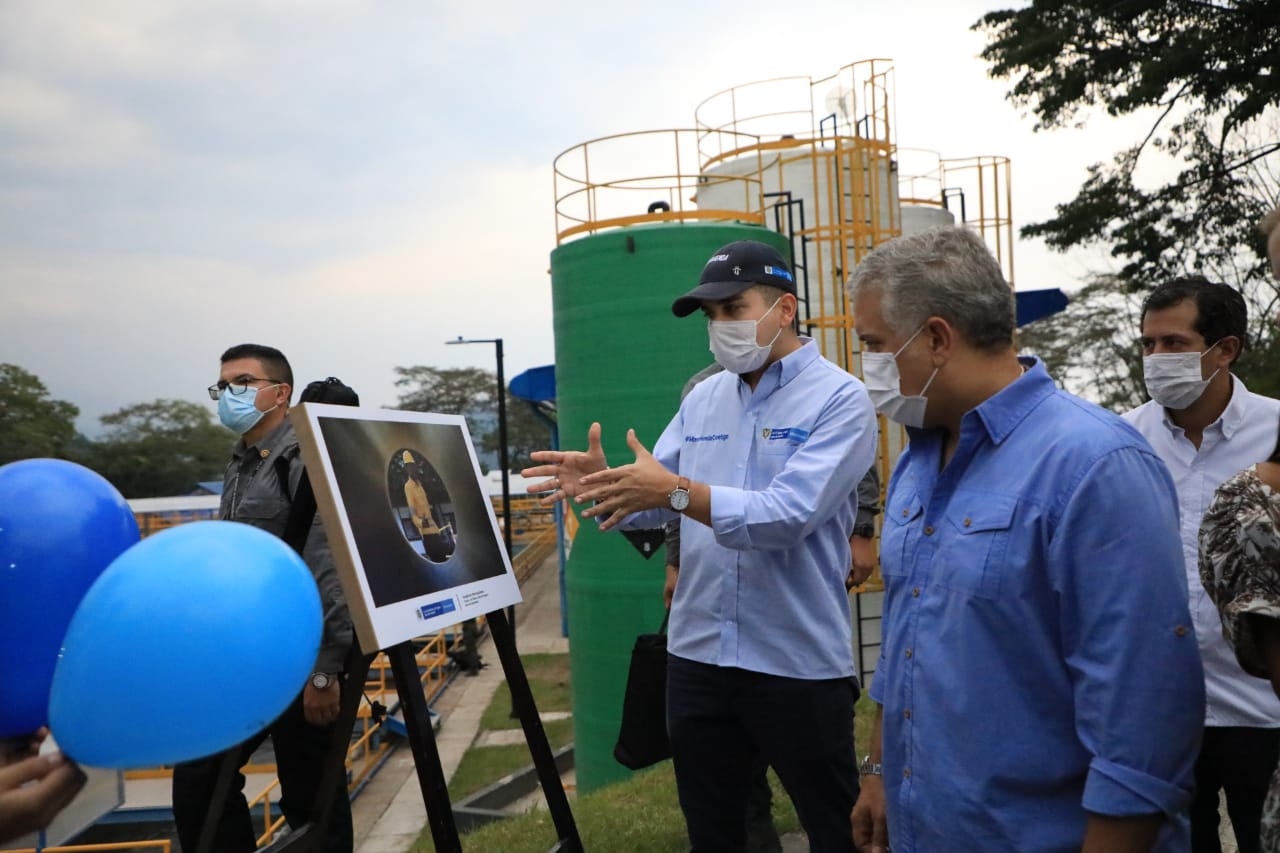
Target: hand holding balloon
{"points": [[34, 788]]}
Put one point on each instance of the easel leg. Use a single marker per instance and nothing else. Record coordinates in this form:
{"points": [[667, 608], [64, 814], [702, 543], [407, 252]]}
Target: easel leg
{"points": [[422, 741], [543, 760]]}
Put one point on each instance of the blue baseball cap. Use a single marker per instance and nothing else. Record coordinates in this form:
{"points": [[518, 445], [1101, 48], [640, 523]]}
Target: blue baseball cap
{"points": [[734, 268]]}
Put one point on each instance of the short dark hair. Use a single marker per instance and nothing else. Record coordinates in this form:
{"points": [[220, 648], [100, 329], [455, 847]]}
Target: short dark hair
{"points": [[276, 365], [769, 293], [1220, 309]]}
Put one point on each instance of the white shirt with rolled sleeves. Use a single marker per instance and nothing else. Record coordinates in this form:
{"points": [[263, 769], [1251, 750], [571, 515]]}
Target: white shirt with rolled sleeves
{"points": [[1244, 435], [762, 588]]}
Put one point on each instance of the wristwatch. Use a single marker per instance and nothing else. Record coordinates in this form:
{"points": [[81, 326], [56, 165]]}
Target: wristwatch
{"points": [[679, 497], [868, 768], [322, 680]]}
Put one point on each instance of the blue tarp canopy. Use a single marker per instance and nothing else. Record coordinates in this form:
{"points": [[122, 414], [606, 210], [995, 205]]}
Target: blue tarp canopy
{"points": [[1037, 304], [537, 384]]}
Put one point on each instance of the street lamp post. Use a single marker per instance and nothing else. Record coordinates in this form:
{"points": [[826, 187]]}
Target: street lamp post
{"points": [[504, 461]]}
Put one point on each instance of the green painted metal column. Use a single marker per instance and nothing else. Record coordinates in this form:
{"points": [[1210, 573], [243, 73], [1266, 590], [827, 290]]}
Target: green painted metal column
{"points": [[622, 359]]}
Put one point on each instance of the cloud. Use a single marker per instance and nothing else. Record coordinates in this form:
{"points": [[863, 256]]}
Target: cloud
{"points": [[358, 182]]}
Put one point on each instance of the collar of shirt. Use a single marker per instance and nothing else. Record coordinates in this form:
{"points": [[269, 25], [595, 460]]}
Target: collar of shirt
{"points": [[780, 372], [1232, 416], [1001, 413], [271, 444]]}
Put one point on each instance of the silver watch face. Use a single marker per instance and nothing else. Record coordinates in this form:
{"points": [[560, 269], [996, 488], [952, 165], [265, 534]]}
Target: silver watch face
{"points": [[321, 680], [679, 500]]}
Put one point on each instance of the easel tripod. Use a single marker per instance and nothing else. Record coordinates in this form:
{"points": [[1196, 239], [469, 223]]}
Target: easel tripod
{"points": [[413, 703]]}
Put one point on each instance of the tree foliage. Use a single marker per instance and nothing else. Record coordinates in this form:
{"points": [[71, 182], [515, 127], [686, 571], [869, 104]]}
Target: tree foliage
{"points": [[31, 423], [1090, 346], [1206, 74], [525, 434], [160, 448], [473, 393], [447, 390]]}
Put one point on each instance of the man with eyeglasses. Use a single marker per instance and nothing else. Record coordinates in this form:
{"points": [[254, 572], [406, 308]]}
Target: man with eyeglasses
{"points": [[253, 393]]}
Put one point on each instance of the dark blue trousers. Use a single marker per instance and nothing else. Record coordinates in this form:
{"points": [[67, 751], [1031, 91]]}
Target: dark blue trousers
{"points": [[300, 751], [723, 722]]}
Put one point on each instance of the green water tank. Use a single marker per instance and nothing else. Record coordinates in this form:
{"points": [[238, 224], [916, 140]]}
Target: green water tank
{"points": [[622, 359]]}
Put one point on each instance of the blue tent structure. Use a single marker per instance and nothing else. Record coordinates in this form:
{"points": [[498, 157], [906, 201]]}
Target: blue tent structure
{"points": [[1037, 304]]}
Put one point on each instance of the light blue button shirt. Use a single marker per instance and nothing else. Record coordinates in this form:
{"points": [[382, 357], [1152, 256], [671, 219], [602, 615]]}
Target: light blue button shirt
{"points": [[1038, 660], [762, 588]]}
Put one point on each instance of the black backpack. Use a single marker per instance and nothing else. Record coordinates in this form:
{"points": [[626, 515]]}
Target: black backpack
{"points": [[302, 506], [331, 390]]}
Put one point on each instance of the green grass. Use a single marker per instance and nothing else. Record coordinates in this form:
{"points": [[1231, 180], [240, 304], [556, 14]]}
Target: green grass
{"points": [[484, 765], [640, 814], [548, 680]]}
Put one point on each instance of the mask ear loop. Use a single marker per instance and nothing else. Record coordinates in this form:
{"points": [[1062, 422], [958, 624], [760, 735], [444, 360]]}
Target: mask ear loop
{"points": [[902, 348], [1206, 352], [766, 314], [927, 384]]}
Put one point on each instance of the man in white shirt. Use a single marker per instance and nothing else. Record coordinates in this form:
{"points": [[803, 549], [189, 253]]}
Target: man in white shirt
{"points": [[1206, 425]]}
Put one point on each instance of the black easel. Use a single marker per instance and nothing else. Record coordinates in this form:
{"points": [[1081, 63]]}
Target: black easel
{"points": [[417, 720]]}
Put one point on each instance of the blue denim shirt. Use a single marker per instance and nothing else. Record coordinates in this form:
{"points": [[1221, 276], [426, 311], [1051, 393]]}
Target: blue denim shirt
{"points": [[1038, 660], [762, 588]]}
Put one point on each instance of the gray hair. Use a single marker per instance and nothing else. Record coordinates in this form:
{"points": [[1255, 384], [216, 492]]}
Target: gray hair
{"points": [[945, 272]]}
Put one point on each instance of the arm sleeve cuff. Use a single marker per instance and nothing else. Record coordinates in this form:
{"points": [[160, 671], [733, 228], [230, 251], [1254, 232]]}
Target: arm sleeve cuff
{"points": [[728, 517], [1118, 791]]}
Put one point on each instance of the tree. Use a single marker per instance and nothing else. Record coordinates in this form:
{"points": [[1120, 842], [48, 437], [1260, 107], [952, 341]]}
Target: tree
{"points": [[160, 448], [472, 393], [1090, 347], [462, 391], [525, 434], [31, 423], [1206, 73]]}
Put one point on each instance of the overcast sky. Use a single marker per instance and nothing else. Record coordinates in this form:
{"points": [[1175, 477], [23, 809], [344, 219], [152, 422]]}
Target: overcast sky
{"points": [[358, 182]]}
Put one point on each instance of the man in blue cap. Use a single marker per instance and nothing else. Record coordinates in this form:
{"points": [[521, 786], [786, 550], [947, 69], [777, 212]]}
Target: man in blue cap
{"points": [[761, 465]]}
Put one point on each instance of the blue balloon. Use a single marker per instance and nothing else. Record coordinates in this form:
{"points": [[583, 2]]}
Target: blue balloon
{"points": [[61, 525], [193, 640]]}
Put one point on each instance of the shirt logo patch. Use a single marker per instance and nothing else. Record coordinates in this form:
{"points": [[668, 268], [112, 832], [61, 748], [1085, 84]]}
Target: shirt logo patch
{"points": [[794, 435]]}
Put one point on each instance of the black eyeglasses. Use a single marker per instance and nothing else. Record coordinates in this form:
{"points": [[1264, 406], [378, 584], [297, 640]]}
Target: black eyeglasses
{"points": [[237, 386]]}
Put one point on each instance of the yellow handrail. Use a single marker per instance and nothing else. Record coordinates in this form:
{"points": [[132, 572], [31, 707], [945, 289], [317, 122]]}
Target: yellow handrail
{"points": [[163, 844]]}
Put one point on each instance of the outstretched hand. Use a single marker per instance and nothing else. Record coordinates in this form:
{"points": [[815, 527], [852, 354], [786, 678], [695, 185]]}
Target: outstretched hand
{"points": [[565, 468], [619, 492]]}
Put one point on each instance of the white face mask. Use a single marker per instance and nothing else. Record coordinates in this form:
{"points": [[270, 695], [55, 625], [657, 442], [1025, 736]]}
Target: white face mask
{"points": [[733, 343], [884, 385], [1174, 379]]}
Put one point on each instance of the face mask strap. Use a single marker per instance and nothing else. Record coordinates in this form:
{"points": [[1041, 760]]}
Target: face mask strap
{"points": [[914, 335], [770, 311], [932, 376]]}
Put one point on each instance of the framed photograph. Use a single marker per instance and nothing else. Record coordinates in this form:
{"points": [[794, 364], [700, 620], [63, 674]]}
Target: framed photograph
{"points": [[413, 533]]}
